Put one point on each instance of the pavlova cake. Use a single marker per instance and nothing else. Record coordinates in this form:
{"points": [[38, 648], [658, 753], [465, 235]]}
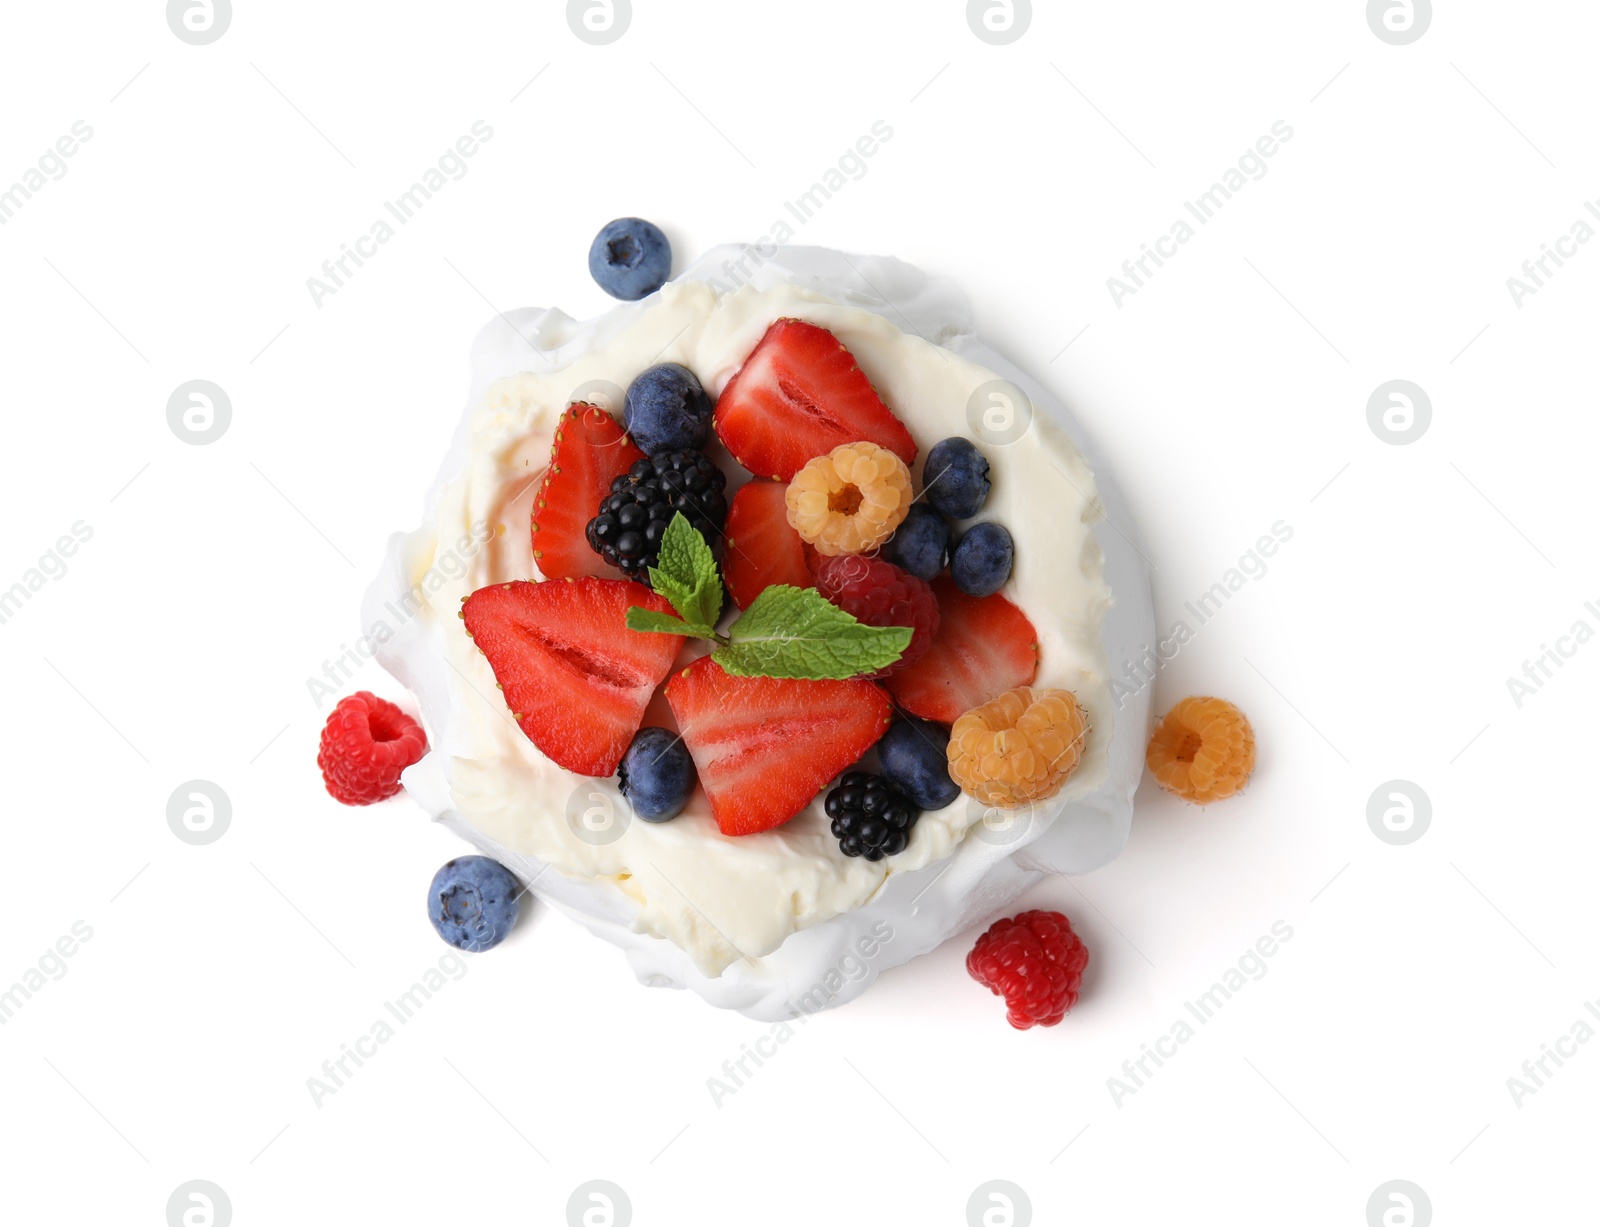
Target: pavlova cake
{"points": [[762, 625]]}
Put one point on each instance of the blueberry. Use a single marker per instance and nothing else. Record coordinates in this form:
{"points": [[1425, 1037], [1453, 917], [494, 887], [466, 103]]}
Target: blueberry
{"points": [[981, 562], [473, 903], [912, 755], [667, 410], [921, 545], [630, 258], [656, 775], [955, 477]]}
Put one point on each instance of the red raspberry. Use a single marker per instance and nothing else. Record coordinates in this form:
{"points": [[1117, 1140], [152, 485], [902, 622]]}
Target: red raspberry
{"points": [[1035, 961], [881, 594], [366, 744]]}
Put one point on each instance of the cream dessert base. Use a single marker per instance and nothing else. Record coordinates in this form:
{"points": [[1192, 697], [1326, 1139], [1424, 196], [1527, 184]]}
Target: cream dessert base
{"points": [[779, 921]]}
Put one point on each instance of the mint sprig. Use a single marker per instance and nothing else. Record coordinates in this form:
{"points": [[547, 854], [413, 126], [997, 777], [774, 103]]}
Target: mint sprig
{"points": [[787, 632]]}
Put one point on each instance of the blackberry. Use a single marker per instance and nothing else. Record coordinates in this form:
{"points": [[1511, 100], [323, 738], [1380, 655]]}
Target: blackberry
{"points": [[628, 528], [871, 817]]}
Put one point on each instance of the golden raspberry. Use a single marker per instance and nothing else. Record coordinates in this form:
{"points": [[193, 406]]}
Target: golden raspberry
{"points": [[851, 500], [1018, 748], [1203, 750]]}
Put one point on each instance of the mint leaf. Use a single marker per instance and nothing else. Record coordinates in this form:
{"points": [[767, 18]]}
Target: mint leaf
{"points": [[796, 632], [786, 632], [642, 619], [670, 588], [686, 573]]}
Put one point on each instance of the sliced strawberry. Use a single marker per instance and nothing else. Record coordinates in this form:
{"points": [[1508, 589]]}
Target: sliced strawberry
{"points": [[800, 394], [589, 450], [766, 746], [574, 676], [761, 547], [984, 647]]}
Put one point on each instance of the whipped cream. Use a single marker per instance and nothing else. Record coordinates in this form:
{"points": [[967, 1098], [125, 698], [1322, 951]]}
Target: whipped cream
{"points": [[729, 903]]}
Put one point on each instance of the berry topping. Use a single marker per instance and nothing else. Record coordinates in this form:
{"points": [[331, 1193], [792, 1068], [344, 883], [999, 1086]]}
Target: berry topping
{"points": [[985, 647], [576, 679], [871, 817], [1203, 750], [366, 744], [627, 529], [1019, 748], [800, 394], [1035, 961], [590, 450], [851, 500], [766, 746], [981, 562], [656, 775], [912, 755], [955, 477], [667, 410], [630, 258], [473, 903], [921, 545], [761, 548], [872, 591]]}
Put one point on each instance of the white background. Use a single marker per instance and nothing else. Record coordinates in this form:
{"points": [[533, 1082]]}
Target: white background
{"points": [[1229, 393]]}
